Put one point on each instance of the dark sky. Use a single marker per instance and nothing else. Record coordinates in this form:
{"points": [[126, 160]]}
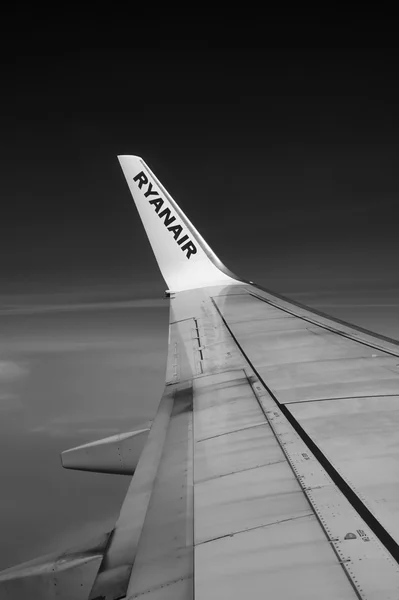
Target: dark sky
{"points": [[284, 158]]}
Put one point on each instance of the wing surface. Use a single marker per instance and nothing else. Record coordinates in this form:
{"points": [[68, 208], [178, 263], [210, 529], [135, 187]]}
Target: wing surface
{"points": [[250, 493]]}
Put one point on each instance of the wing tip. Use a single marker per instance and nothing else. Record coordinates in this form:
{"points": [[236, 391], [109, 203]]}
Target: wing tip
{"points": [[126, 156]]}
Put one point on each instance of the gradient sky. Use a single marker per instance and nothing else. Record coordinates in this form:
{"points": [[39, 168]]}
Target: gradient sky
{"points": [[286, 160]]}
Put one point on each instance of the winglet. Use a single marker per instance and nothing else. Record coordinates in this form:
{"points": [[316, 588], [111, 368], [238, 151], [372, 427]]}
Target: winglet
{"points": [[184, 258]]}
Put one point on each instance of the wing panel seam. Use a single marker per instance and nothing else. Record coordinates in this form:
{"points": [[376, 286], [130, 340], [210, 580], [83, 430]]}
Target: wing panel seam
{"points": [[323, 326]]}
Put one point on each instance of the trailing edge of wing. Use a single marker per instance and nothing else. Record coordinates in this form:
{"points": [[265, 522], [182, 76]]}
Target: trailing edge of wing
{"points": [[184, 258]]}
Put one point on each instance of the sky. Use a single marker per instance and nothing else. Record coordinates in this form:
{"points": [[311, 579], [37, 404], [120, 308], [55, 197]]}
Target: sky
{"points": [[284, 158], [69, 375]]}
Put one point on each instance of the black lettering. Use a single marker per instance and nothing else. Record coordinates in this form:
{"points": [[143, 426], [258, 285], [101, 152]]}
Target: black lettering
{"points": [[141, 178], [157, 202], [168, 219], [176, 229], [191, 249], [183, 239], [149, 192]]}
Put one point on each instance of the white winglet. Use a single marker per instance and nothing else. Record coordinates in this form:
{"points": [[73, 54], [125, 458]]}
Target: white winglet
{"points": [[185, 259]]}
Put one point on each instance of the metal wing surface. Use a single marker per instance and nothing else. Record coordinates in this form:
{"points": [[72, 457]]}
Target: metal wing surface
{"points": [[277, 439], [271, 469]]}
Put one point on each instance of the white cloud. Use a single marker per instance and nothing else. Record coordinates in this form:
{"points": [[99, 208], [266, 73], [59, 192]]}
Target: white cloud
{"points": [[83, 306], [65, 427], [12, 370], [57, 431]]}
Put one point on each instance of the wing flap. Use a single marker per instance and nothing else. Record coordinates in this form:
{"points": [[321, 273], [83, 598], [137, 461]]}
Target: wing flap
{"points": [[59, 576], [118, 454], [165, 552], [58, 580]]}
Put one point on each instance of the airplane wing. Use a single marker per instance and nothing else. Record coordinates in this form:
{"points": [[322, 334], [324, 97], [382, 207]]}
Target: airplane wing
{"points": [[271, 468]]}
